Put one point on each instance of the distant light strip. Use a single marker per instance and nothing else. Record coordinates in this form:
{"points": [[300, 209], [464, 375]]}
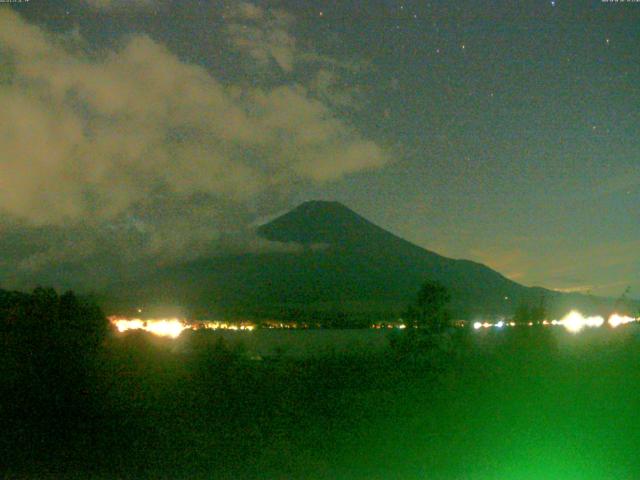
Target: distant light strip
{"points": [[573, 322], [173, 327]]}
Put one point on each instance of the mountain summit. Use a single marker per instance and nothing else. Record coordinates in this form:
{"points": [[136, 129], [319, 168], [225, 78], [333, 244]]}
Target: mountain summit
{"points": [[326, 223], [318, 222]]}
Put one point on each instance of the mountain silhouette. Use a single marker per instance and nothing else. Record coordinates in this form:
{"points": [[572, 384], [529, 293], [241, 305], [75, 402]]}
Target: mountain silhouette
{"points": [[322, 222], [334, 264]]}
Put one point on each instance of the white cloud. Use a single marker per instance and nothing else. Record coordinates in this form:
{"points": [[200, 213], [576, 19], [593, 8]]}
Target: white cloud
{"points": [[95, 139], [78, 132], [263, 35]]}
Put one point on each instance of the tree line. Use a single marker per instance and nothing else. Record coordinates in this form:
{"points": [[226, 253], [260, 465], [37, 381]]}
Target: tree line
{"points": [[51, 344]]}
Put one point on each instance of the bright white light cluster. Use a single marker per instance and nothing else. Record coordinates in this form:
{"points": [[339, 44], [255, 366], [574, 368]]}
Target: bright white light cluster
{"points": [[616, 320], [573, 322], [499, 324]]}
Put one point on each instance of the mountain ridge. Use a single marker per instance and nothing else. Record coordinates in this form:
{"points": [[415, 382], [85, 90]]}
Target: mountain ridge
{"points": [[361, 271]]}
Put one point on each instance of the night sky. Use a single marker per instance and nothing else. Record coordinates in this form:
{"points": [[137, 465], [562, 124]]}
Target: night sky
{"points": [[153, 131]]}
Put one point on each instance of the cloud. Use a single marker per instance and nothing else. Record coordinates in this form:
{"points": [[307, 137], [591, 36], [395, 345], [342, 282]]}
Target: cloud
{"points": [[263, 35], [575, 289], [109, 5], [134, 139], [265, 38], [513, 262], [614, 263]]}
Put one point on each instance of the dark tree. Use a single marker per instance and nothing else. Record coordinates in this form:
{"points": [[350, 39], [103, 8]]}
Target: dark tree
{"points": [[429, 310], [52, 344], [525, 312], [522, 313], [539, 311], [623, 304]]}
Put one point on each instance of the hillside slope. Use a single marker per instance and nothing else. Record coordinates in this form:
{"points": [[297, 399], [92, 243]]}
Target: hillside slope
{"points": [[343, 266]]}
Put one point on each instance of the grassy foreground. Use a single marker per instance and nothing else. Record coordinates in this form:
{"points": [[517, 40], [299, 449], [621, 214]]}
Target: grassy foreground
{"points": [[525, 404]]}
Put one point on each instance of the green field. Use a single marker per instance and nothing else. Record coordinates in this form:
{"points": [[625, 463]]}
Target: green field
{"points": [[520, 404]]}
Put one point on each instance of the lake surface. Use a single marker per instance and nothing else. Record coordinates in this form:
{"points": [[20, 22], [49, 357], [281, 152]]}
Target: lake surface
{"points": [[300, 343]]}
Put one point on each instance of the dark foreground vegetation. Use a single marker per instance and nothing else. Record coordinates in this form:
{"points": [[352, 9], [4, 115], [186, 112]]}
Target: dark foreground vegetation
{"points": [[80, 401]]}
